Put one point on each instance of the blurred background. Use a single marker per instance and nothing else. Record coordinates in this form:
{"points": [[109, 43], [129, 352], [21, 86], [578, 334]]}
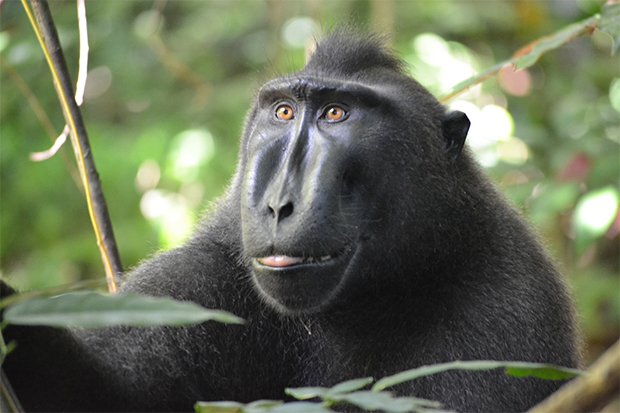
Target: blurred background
{"points": [[170, 83]]}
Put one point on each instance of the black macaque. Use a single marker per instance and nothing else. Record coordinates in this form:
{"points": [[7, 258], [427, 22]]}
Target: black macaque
{"points": [[358, 238]]}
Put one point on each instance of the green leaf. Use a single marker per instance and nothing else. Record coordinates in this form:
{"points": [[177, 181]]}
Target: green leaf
{"points": [[368, 400], [218, 407], [610, 23], [48, 292], [259, 406], [384, 401], [349, 386], [418, 405], [94, 310], [542, 372], [531, 53], [413, 374], [305, 393], [298, 407]]}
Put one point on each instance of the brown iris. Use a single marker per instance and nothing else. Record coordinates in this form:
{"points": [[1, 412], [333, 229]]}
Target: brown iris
{"points": [[334, 113], [284, 112]]}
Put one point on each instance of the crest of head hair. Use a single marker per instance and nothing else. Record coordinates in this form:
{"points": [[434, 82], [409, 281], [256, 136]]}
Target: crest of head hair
{"points": [[347, 52]]}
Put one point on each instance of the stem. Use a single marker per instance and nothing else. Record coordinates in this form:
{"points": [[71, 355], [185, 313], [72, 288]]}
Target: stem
{"points": [[97, 206]]}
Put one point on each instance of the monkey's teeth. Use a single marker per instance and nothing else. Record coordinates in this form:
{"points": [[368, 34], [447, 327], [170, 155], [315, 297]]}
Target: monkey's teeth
{"points": [[309, 260], [286, 261]]}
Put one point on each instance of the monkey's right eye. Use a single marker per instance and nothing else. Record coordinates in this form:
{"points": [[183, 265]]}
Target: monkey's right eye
{"points": [[284, 112]]}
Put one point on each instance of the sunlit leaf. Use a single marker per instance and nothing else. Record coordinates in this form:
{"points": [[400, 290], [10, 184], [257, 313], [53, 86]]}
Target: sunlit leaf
{"points": [[305, 393], [218, 407], [369, 400], [259, 406], [384, 401], [418, 404], [296, 407], [349, 386], [610, 23], [413, 374], [94, 310]]}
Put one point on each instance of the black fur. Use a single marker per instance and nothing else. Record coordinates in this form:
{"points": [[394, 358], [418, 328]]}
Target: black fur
{"points": [[428, 264]]}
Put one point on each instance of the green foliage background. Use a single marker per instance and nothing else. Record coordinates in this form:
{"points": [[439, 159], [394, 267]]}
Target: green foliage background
{"points": [[161, 88]]}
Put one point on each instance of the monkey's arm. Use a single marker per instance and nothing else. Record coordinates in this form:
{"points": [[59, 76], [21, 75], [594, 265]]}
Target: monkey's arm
{"points": [[123, 368], [50, 370]]}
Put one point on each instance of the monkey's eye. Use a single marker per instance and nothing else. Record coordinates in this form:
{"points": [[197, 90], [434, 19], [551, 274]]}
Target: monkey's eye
{"points": [[334, 113], [284, 112]]}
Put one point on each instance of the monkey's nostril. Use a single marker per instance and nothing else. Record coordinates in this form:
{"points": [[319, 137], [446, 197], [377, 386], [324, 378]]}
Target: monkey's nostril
{"points": [[281, 213], [285, 211]]}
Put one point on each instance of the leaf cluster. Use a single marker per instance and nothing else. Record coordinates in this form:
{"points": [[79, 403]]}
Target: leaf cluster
{"points": [[377, 399]]}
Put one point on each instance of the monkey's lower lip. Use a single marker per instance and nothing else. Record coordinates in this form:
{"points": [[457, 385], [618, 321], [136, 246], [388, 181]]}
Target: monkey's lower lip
{"points": [[278, 261]]}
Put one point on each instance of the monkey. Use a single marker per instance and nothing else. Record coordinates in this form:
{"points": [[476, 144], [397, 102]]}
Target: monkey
{"points": [[358, 237]]}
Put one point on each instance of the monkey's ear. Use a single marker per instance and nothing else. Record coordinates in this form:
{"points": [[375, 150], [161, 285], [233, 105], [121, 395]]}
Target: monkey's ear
{"points": [[455, 126]]}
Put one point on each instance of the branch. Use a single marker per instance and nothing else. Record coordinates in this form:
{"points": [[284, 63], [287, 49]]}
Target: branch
{"points": [[8, 399], [591, 392], [528, 55], [97, 207]]}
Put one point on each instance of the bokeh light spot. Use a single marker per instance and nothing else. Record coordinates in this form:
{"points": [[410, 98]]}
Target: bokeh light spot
{"points": [[191, 149], [148, 176], [596, 211], [297, 31], [98, 82]]}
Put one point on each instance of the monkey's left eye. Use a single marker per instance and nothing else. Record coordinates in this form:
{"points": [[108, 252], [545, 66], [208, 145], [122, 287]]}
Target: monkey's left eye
{"points": [[334, 113]]}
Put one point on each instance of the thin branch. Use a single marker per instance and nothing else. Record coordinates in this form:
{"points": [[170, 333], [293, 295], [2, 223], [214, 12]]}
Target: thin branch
{"points": [[79, 88], [83, 71], [45, 155], [529, 54], [97, 208]]}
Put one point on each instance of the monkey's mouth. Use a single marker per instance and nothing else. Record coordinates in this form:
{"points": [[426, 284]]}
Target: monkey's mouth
{"points": [[296, 284], [279, 261]]}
